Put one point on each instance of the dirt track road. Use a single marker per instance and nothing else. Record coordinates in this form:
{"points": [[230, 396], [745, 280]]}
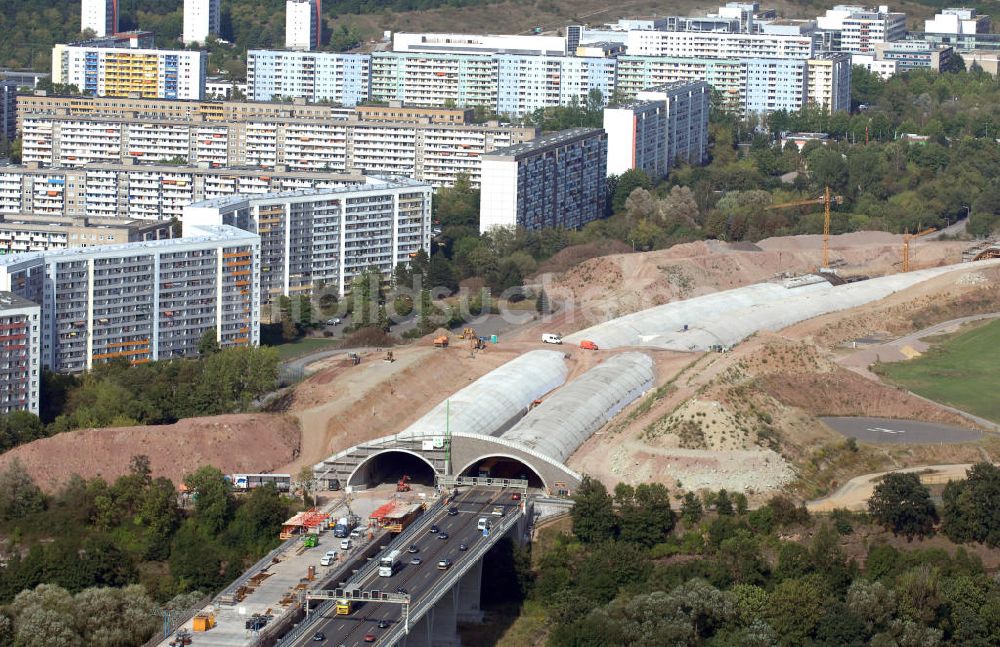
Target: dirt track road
{"points": [[854, 494]]}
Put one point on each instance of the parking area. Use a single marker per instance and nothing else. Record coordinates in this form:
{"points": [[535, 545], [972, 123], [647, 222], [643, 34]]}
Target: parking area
{"points": [[892, 431]]}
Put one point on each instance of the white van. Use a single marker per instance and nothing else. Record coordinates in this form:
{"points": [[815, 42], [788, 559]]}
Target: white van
{"points": [[484, 524], [328, 558], [345, 544], [551, 338]]}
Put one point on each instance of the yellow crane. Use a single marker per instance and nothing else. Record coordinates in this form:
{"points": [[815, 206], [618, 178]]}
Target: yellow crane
{"points": [[824, 200], [907, 237]]}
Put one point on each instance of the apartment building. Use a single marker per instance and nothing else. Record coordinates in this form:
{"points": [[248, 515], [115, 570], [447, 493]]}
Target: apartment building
{"points": [[958, 20], [126, 108], [915, 55], [557, 180], [99, 16], [124, 72], [323, 238], [34, 233], [665, 126], [721, 45], [201, 20], [855, 29], [344, 79], [728, 77], [420, 79], [20, 337], [142, 192], [528, 83], [775, 84], [438, 43], [141, 301], [829, 81], [435, 147], [8, 109], [303, 24]]}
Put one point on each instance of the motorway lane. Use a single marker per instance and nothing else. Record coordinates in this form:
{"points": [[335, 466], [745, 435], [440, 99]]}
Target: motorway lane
{"points": [[893, 431], [417, 580]]}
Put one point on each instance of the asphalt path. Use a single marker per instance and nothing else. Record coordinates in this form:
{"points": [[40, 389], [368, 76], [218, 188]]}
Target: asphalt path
{"points": [[892, 431], [418, 580]]}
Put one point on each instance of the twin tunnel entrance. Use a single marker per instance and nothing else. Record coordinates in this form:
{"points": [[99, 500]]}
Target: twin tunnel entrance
{"points": [[391, 465]]}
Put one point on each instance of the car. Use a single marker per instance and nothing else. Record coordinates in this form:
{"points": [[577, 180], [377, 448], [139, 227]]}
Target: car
{"points": [[443, 536], [402, 591], [383, 623], [498, 511], [333, 322], [463, 547], [416, 561], [452, 512], [444, 564], [586, 344], [413, 549], [369, 637], [515, 497], [356, 533], [435, 530], [319, 636]]}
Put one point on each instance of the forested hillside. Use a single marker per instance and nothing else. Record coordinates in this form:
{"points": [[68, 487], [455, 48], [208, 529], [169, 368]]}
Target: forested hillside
{"points": [[31, 27]]}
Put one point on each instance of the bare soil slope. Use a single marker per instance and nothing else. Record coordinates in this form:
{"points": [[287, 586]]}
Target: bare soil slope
{"points": [[233, 443]]}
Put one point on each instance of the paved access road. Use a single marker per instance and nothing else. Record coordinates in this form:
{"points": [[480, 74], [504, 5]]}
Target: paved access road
{"points": [[913, 432], [419, 580]]}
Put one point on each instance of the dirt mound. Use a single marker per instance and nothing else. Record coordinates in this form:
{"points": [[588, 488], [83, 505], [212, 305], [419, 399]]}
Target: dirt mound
{"points": [[233, 443]]}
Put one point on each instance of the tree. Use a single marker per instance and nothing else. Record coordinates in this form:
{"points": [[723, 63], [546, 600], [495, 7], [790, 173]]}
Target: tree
{"points": [[441, 274], [691, 509], [19, 496], [542, 305], [644, 513], [212, 498], [593, 513], [828, 168], [627, 182], [305, 311], [969, 513], [208, 344], [902, 504], [723, 505]]}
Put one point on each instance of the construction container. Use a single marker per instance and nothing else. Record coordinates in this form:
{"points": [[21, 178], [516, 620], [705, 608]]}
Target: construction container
{"points": [[203, 622]]}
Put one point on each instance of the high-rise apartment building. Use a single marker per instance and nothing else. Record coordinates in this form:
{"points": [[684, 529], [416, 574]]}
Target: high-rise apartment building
{"points": [[127, 72], [99, 16], [303, 24], [721, 44], [854, 29], [558, 180], [8, 109], [201, 20], [829, 81], [20, 336], [323, 238], [664, 127], [141, 301], [344, 79]]}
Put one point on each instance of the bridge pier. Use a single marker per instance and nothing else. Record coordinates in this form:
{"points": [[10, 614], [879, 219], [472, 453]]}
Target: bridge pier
{"points": [[469, 593]]}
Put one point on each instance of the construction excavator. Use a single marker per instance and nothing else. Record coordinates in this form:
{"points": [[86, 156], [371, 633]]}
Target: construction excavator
{"points": [[403, 485], [824, 200]]}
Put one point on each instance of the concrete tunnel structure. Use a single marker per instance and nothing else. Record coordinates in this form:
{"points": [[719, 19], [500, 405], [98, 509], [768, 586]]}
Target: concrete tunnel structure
{"points": [[492, 422]]}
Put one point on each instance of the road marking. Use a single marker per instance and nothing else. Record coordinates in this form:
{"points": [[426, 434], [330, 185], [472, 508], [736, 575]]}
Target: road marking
{"points": [[887, 431]]}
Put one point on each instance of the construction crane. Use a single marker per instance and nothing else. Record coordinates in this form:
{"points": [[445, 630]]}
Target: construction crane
{"points": [[907, 237], [824, 200]]}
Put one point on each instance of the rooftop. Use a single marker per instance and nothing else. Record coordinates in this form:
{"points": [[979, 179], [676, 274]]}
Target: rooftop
{"points": [[211, 233], [372, 183], [11, 301], [546, 141]]}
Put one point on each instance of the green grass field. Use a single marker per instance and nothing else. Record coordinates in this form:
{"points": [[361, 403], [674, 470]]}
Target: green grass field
{"points": [[304, 347], [963, 372]]}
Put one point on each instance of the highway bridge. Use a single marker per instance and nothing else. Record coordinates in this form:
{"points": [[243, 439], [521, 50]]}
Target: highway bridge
{"points": [[420, 604]]}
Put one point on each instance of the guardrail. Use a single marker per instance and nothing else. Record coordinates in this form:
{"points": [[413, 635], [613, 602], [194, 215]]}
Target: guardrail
{"points": [[420, 608]]}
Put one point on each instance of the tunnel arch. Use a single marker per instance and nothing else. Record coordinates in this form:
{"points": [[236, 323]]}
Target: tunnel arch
{"points": [[389, 466], [506, 466]]}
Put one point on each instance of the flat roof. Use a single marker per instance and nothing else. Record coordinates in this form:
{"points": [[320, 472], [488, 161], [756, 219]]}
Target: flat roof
{"points": [[372, 183], [546, 141], [11, 301]]}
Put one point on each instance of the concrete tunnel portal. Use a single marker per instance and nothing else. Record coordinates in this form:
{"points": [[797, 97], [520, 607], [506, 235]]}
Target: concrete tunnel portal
{"points": [[391, 465], [504, 467]]}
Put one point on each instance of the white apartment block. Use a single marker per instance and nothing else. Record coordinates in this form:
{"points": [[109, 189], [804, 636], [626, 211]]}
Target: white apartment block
{"points": [[829, 84], [957, 21], [559, 180], [429, 43], [854, 29], [141, 192], [141, 301], [120, 72], [201, 20], [303, 23], [720, 45], [31, 233], [424, 150], [20, 350], [344, 79], [100, 16], [323, 238], [666, 126]]}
